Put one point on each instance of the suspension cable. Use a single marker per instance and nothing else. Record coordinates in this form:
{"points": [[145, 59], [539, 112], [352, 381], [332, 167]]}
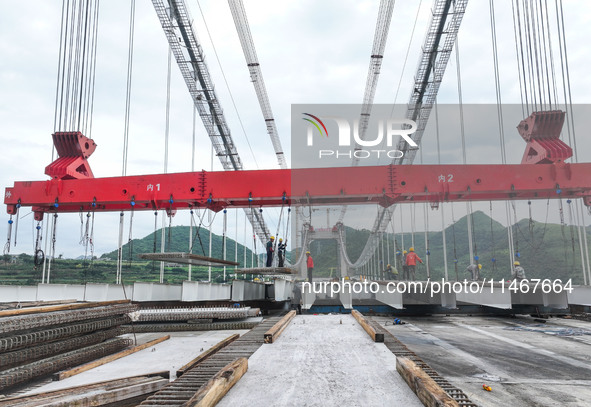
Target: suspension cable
{"points": [[16, 217], [227, 86], [155, 237], [86, 239], [130, 236], [406, 56], [197, 233], [453, 230], [39, 254], [570, 115], [445, 270], [572, 238], [128, 88], [515, 238], [519, 55], [91, 237], [9, 236], [492, 239], [463, 139], [120, 248], [225, 230], [236, 242], [53, 240]]}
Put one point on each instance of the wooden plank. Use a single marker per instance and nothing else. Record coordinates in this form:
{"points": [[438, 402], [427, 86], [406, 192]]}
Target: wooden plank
{"points": [[99, 362], [275, 331], [118, 395], [109, 396], [206, 354], [64, 307], [376, 336], [33, 399], [217, 387], [427, 390]]}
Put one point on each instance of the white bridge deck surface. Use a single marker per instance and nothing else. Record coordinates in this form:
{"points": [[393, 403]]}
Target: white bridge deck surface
{"points": [[317, 361], [172, 354]]}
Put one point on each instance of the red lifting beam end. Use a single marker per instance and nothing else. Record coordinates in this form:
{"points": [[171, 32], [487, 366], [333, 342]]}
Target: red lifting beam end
{"points": [[73, 150], [541, 131]]}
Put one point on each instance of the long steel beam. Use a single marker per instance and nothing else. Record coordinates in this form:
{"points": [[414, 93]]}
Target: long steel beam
{"points": [[385, 185]]}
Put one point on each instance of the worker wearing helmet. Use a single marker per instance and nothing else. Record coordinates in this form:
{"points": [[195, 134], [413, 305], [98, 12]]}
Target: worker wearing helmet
{"points": [[404, 266], [518, 272], [270, 251], [474, 270], [391, 274], [411, 262], [281, 252], [309, 265]]}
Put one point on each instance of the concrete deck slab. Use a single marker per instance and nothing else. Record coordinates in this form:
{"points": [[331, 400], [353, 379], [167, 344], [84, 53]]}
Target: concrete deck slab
{"points": [[322, 360], [169, 355], [526, 363]]}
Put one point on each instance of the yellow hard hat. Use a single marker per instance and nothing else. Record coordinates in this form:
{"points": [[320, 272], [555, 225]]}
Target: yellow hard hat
{"points": [[404, 252], [281, 239], [412, 249], [516, 263], [479, 266], [307, 252], [272, 237]]}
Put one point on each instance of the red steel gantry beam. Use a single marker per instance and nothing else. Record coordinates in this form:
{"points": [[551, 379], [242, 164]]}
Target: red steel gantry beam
{"points": [[385, 185]]}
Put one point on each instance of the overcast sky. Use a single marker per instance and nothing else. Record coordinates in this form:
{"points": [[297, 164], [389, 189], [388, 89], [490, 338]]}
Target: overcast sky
{"points": [[309, 51]]}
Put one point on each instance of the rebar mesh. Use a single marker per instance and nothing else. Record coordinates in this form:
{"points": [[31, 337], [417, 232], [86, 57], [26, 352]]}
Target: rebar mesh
{"points": [[26, 322], [144, 328], [184, 314], [11, 343], [53, 364], [29, 354]]}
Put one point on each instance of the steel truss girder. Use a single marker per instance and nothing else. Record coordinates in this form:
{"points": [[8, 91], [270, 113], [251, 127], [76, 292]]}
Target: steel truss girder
{"points": [[184, 44], [385, 185]]}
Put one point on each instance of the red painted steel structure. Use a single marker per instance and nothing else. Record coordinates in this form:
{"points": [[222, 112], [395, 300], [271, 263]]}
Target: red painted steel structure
{"points": [[385, 185], [541, 132], [73, 149]]}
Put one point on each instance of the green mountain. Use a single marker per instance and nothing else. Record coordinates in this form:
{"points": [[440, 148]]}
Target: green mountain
{"points": [[176, 239]]}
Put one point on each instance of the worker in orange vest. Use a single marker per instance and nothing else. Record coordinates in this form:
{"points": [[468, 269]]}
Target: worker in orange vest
{"points": [[411, 262], [309, 265]]}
